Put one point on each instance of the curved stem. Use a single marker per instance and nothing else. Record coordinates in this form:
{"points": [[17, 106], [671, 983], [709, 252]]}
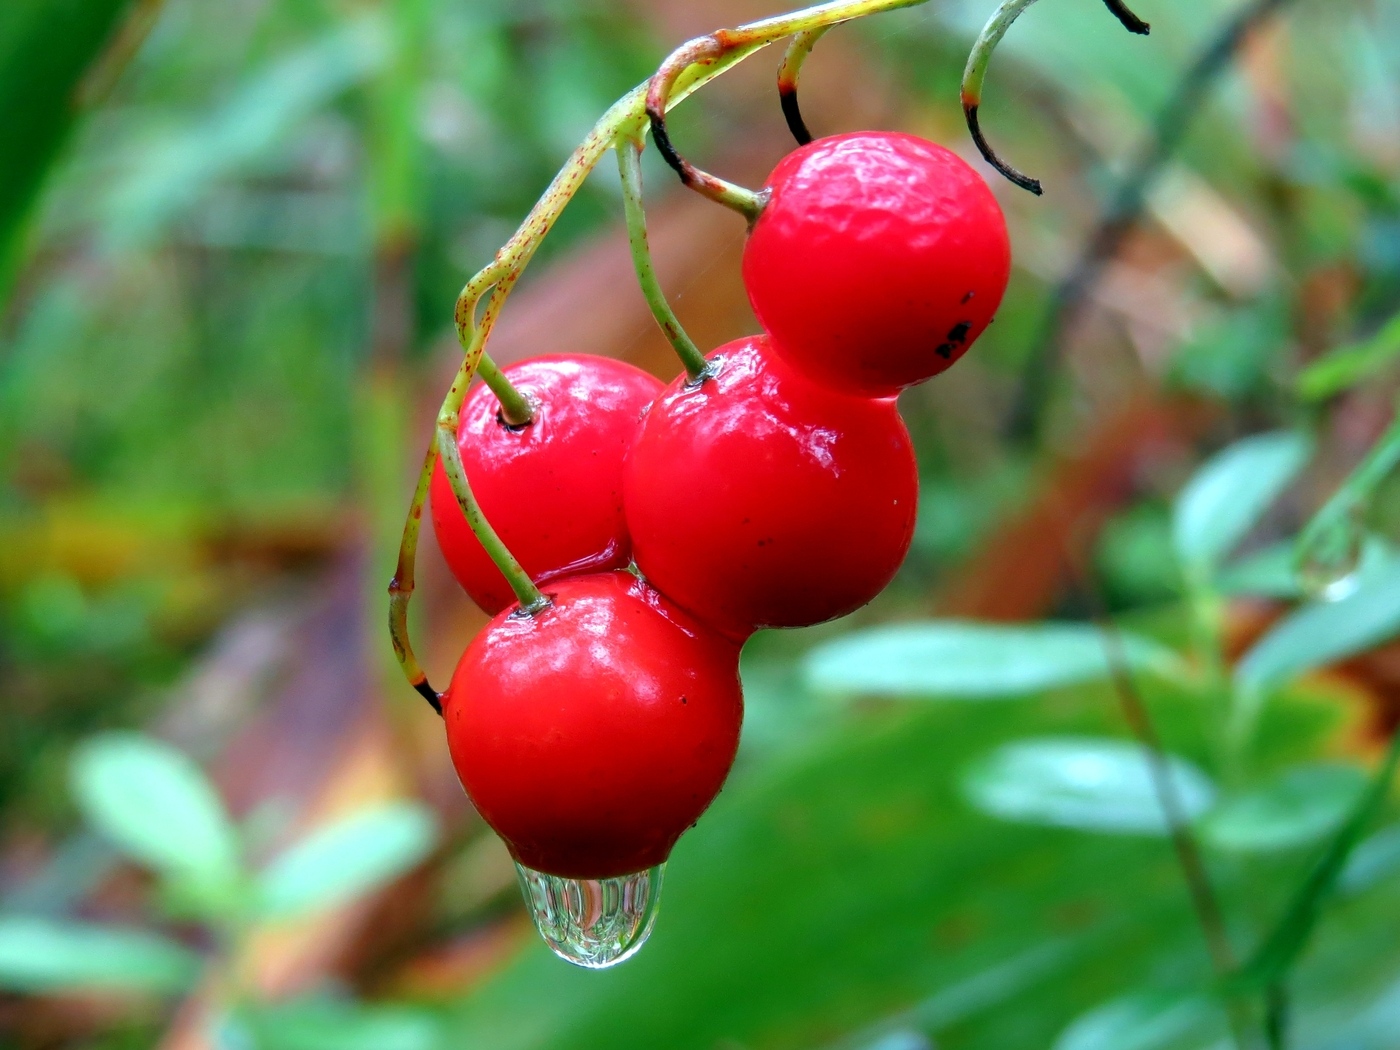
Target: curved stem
{"points": [[788, 73], [630, 168], [401, 586], [973, 76], [515, 409], [702, 49], [976, 72], [529, 596]]}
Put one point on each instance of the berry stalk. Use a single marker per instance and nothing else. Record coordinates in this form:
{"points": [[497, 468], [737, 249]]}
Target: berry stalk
{"points": [[976, 72], [629, 166], [515, 409], [788, 73]]}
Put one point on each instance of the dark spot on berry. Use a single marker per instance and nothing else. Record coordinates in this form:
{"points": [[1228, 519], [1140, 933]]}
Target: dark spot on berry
{"points": [[944, 350], [958, 333], [683, 700], [968, 297]]}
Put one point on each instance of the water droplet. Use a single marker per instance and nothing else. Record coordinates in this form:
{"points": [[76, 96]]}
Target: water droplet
{"points": [[1328, 567], [595, 923]]}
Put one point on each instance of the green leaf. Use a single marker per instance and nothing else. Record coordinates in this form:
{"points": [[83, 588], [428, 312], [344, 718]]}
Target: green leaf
{"points": [[322, 1024], [156, 805], [971, 661], [351, 857], [1298, 807], [1375, 859], [1142, 1022], [1316, 635], [39, 955], [1229, 494], [168, 176], [1348, 365], [1084, 783], [46, 48]]}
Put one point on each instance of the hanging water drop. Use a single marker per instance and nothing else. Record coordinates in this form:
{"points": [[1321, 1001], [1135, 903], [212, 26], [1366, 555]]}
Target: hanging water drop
{"points": [[1329, 562], [594, 923]]}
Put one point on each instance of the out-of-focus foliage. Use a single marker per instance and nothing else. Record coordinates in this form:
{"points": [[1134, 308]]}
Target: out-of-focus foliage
{"points": [[197, 405], [46, 51]]}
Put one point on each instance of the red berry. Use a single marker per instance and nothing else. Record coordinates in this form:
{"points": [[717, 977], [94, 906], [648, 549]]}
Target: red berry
{"points": [[763, 499], [553, 488], [877, 260], [592, 734]]}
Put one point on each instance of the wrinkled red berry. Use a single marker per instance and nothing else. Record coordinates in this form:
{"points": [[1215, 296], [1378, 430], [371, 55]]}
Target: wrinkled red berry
{"points": [[763, 499], [877, 260], [592, 734], [553, 488]]}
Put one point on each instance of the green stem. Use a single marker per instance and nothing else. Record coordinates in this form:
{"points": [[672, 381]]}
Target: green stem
{"points": [[1272, 961], [515, 409], [630, 168], [973, 76], [1339, 517], [402, 585], [449, 416], [788, 73], [976, 72]]}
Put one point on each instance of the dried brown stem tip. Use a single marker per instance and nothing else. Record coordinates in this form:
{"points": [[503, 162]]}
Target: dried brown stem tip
{"points": [[990, 155], [1131, 22]]}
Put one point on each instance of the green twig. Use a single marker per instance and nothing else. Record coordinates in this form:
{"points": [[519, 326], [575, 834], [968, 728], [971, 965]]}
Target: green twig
{"points": [[515, 408], [1332, 530], [630, 168], [976, 72], [788, 73], [1278, 952], [1204, 900]]}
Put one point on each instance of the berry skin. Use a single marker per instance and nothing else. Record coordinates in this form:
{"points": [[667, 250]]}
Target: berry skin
{"points": [[763, 499], [553, 488], [877, 261], [592, 734]]}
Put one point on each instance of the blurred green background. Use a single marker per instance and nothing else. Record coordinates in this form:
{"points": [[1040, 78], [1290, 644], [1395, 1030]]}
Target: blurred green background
{"points": [[230, 239]]}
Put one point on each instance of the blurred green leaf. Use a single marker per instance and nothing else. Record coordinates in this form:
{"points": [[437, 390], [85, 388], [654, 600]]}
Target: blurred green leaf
{"points": [[172, 172], [1297, 807], [1348, 365], [353, 856], [46, 47], [39, 955], [1270, 572], [322, 1024], [1230, 492], [1323, 633], [972, 661], [1375, 858], [156, 805], [1144, 1022], [1092, 785]]}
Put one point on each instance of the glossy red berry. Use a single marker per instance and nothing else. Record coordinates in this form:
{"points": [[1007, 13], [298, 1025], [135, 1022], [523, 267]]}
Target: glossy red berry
{"points": [[763, 499], [553, 488], [877, 260], [592, 734]]}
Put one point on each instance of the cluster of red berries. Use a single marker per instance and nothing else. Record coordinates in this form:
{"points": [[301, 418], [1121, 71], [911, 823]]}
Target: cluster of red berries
{"points": [[778, 491]]}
